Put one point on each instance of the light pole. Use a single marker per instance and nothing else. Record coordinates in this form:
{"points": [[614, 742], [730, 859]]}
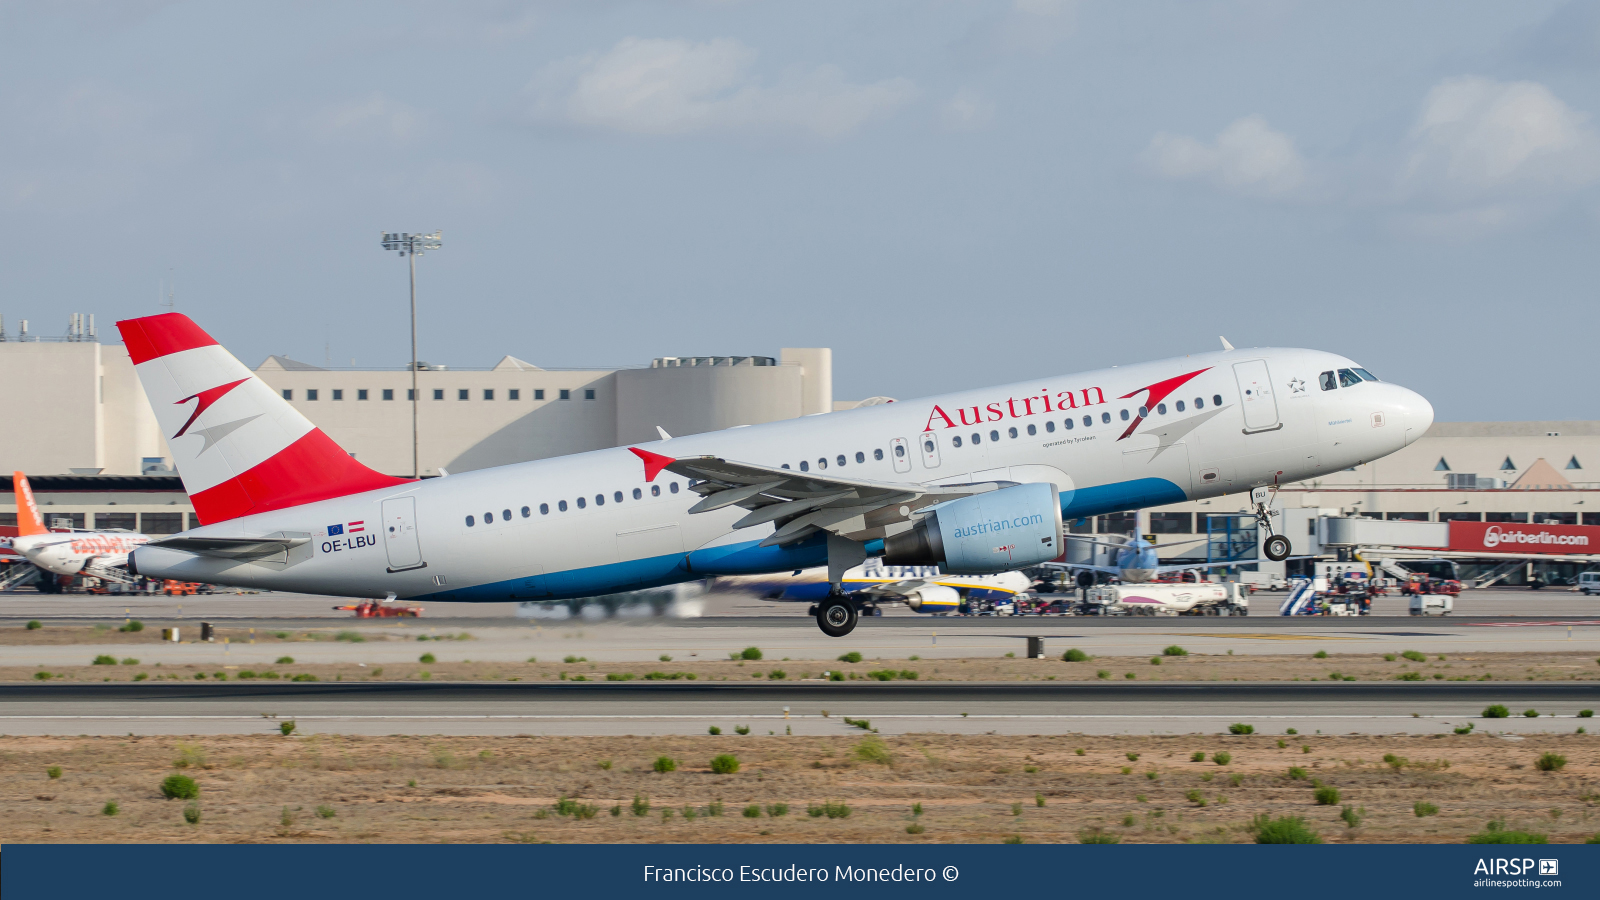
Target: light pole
{"points": [[413, 246]]}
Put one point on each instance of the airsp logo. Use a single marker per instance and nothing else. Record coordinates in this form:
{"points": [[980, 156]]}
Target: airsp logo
{"points": [[1549, 867]]}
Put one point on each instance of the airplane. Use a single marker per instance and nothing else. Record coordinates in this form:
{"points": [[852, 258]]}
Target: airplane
{"points": [[922, 589], [99, 554], [1130, 558], [975, 482]]}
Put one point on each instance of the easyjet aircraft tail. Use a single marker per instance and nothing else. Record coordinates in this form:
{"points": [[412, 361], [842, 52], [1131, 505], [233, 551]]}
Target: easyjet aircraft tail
{"points": [[240, 448], [28, 519]]}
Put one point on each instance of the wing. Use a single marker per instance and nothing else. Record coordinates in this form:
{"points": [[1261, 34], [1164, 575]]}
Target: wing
{"points": [[231, 547], [802, 504]]}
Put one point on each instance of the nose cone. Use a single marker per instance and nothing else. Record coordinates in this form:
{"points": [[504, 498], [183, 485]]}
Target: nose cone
{"points": [[1414, 413]]}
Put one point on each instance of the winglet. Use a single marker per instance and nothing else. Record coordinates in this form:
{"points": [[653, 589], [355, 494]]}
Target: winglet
{"points": [[28, 519], [653, 462], [663, 432], [1225, 344]]}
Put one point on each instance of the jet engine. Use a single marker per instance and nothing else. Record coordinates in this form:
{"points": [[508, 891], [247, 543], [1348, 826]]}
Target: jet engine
{"points": [[984, 534], [934, 598]]}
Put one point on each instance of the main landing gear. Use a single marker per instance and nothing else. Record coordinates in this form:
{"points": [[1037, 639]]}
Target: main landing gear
{"points": [[836, 615]]}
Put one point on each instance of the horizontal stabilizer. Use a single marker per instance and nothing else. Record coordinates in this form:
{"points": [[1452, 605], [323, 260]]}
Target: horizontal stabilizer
{"points": [[231, 547]]}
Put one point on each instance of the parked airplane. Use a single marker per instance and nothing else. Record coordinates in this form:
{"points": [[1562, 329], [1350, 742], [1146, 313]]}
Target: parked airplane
{"points": [[1130, 558], [975, 482], [101, 554], [922, 589]]}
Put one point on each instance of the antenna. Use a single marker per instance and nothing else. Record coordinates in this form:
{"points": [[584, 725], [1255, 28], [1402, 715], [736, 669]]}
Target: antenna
{"points": [[170, 285]]}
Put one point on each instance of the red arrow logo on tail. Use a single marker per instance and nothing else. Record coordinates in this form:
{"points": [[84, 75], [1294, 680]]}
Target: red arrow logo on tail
{"points": [[206, 398]]}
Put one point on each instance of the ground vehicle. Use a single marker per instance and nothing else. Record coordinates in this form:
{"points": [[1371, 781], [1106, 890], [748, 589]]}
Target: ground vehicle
{"points": [[372, 609], [1589, 583], [1152, 599], [180, 588]]}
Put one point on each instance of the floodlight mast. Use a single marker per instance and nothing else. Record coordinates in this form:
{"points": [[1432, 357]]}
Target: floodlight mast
{"points": [[412, 246]]}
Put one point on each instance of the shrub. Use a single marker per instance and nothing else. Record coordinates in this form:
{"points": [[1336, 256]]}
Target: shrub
{"points": [[1012, 839], [1074, 655], [851, 657], [724, 764], [1198, 756], [351, 637], [54, 772], [180, 787], [1326, 795], [142, 676], [1388, 657], [110, 809], [191, 813], [132, 626], [753, 811], [777, 675], [1422, 810], [1174, 650], [1290, 731], [714, 730], [1079, 751], [104, 660], [285, 660], [1496, 711], [1222, 757], [1102, 673], [874, 750], [741, 729], [1494, 835], [641, 805], [1585, 713], [1016, 809], [1132, 757], [570, 659], [1241, 728], [1395, 762], [1531, 713], [915, 828], [304, 676], [1414, 656], [286, 728], [1463, 729], [1352, 817], [664, 764], [775, 810], [1092, 836], [619, 676], [1196, 798], [1038, 800], [130, 661], [325, 812], [1550, 762], [1320, 654], [34, 625], [1296, 773], [1285, 830], [427, 658], [1408, 676], [830, 809], [751, 653], [1155, 660]]}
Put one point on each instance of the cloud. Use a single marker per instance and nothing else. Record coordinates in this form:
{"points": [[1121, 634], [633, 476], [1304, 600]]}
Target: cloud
{"points": [[1248, 156], [377, 116], [674, 87], [967, 110], [1476, 137], [1031, 27]]}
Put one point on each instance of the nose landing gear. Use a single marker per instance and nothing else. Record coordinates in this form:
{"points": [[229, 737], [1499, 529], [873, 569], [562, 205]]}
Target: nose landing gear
{"points": [[1276, 546]]}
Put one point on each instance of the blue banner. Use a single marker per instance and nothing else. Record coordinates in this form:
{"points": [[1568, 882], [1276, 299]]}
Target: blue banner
{"points": [[281, 872]]}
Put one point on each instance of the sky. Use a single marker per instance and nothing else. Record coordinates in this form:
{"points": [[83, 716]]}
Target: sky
{"points": [[948, 193]]}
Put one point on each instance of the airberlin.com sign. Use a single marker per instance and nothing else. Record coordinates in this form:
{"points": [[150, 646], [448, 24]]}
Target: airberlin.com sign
{"points": [[1514, 537]]}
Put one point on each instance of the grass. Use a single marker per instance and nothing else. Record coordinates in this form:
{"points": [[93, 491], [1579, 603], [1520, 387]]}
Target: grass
{"points": [[1550, 762], [1132, 757], [1352, 816], [1222, 757], [874, 750], [753, 811], [1495, 833], [1284, 830], [110, 809], [1320, 654], [1102, 673], [1038, 800], [1395, 762], [1196, 798], [641, 805], [104, 660], [665, 764], [751, 653], [132, 627], [724, 764], [54, 772], [1422, 810], [1086, 836], [191, 813], [1241, 728], [350, 637], [130, 661], [713, 730], [1463, 729], [180, 787], [777, 810], [427, 658], [1174, 650], [1414, 656], [1497, 711], [915, 828], [830, 809], [1297, 773], [285, 661], [863, 724], [1074, 655], [34, 625], [286, 728], [851, 657], [190, 756], [1326, 795]]}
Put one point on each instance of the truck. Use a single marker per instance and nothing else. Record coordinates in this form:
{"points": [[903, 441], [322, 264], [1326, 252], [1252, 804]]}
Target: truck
{"points": [[1228, 598]]}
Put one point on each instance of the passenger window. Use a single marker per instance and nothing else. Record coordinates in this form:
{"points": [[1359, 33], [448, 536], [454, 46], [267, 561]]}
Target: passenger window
{"points": [[674, 487], [1199, 403], [655, 490], [1161, 408], [1216, 399], [1124, 415], [1050, 426], [976, 439], [1366, 376], [1087, 421], [785, 466], [878, 454], [1012, 431], [599, 499], [840, 459], [544, 509], [1105, 418], [806, 467], [1068, 423], [1032, 431], [1180, 406], [822, 463], [1144, 412], [581, 503], [994, 435], [488, 517], [1326, 380], [638, 494], [860, 457], [1348, 378], [505, 514], [471, 522], [617, 496], [526, 512], [562, 506], [927, 446], [899, 450], [955, 441]]}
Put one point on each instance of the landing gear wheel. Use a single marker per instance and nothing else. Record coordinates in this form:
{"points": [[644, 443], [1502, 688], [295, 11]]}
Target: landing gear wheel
{"points": [[837, 617], [1276, 547]]}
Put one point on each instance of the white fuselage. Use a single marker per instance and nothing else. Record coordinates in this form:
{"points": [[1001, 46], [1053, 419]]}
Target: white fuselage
{"points": [[591, 523], [68, 552]]}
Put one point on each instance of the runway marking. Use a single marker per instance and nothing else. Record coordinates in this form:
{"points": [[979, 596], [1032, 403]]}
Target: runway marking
{"points": [[1220, 716], [1260, 636], [1532, 624]]}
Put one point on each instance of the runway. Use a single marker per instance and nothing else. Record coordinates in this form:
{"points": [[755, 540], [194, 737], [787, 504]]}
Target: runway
{"points": [[820, 708]]}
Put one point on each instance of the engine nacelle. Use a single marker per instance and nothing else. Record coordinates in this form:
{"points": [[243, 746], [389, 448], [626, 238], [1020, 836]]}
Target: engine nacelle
{"points": [[984, 534], [934, 598]]}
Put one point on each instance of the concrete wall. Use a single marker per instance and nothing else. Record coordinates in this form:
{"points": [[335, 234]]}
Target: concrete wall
{"points": [[74, 405], [694, 400]]}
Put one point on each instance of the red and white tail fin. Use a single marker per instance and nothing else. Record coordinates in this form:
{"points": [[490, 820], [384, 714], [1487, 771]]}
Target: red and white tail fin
{"points": [[240, 448], [28, 519]]}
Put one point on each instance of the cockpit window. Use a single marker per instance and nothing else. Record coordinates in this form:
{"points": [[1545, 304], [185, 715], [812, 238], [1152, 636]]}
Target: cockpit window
{"points": [[1326, 379], [1365, 375], [1348, 378]]}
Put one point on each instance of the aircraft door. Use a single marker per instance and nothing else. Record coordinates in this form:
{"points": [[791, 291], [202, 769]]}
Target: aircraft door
{"points": [[400, 534], [1255, 395], [900, 455], [929, 443]]}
